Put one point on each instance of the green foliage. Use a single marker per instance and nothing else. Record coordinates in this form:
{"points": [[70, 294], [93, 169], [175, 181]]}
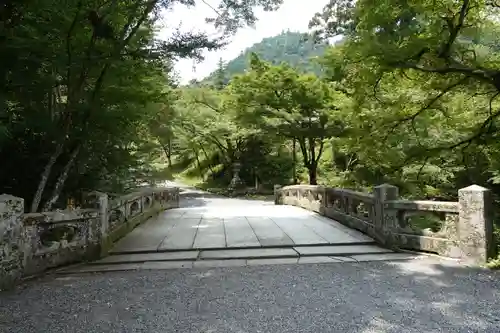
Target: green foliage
{"points": [[87, 93], [277, 99]]}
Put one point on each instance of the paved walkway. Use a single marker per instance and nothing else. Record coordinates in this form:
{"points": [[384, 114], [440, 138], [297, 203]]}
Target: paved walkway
{"points": [[209, 230], [205, 222]]}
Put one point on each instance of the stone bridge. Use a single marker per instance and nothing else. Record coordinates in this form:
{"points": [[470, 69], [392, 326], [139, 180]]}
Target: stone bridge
{"points": [[163, 228]]}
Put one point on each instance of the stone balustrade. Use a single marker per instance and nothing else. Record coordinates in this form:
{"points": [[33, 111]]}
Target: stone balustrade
{"points": [[462, 229], [34, 242]]}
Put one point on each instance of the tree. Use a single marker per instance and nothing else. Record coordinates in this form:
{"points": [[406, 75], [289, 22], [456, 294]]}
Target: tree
{"points": [[297, 107], [74, 75], [220, 75], [447, 42]]}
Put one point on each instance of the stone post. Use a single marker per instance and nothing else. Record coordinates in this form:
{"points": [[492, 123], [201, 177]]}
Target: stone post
{"points": [[103, 201], [276, 195], [100, 202], [324, 200], [176, 203], [14, 249], [475, 224], [382, 224]]}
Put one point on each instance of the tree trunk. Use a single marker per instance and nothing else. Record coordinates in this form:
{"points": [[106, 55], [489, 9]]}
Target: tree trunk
{"points": [[294, 157], [208, 160], [167, 149], [61, 180], [199, 164], [313, 174], [169, 155], [45, 177]]}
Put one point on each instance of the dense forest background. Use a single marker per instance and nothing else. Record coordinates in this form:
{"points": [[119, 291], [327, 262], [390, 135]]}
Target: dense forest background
{"points": [[89, 99]]}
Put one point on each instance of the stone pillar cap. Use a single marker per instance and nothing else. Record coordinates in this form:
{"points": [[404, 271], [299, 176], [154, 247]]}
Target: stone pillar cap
{"points": [[5, 197], [474, 188]]}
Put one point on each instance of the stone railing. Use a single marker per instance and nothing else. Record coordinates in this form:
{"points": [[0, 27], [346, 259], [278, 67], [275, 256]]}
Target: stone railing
{"points": [[462, 229], [32, 243]]}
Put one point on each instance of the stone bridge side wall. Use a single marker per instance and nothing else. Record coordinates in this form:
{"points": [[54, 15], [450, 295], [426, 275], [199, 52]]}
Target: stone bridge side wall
{"points": [[462, 229], [32, 243]]}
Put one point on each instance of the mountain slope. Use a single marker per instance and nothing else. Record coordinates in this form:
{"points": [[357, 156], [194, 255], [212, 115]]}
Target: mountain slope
{"points": [[294, 48]]}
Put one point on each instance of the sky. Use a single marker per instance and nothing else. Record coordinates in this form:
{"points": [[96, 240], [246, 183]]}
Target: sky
{"points": [[293, 15]]}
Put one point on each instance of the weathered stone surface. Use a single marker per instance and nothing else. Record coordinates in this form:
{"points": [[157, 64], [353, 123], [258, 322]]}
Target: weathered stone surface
{"points": [[219, 263], [12, 241], [211, 234], [239, 233], [166, 264], [268, 233], [385, 257], [101, 268], [33, 243], [181, 236], [475, 225], [248, 253], [143, 257], [237, 185], [465, 228], [381, 226], [299, 232], [342, 250], [272, 261], [318, 260]]}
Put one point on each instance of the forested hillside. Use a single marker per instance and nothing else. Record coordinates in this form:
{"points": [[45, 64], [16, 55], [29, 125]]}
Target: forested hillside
{"points": [[294, 48]]}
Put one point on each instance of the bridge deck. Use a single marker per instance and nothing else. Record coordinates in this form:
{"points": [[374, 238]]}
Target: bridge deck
{"points": [[208, 222]]}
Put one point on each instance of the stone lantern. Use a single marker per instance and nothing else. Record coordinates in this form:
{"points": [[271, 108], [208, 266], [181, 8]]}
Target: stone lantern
{"points": [[237, 185]]}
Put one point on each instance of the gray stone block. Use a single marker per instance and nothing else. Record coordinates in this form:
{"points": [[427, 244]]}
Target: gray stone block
{"points": [[219, 263], [155, 256], [342, 250], [271, 261], [248, 253], [166, 265]]}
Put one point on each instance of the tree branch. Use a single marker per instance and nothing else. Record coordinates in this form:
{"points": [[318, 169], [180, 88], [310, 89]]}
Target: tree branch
{"points": [[454, 30], [424, 108]]}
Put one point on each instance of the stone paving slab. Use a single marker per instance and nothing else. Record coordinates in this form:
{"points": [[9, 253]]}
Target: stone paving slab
{"points": [[386, 256], [219, 263], [331, 234], [211, 234], [143, 257], [101, 268], [146, 237], [181, 236], [272, 261], [318, 260], [296, 229], [228, 258], [166, 264], [248, 253], [216, 263], [268, 232], [239, 233], [137, 245], [339, 250], [342, 228]]}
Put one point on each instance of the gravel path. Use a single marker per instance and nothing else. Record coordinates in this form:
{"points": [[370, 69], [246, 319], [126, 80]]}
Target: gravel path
{"points": [[419, 296]]}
